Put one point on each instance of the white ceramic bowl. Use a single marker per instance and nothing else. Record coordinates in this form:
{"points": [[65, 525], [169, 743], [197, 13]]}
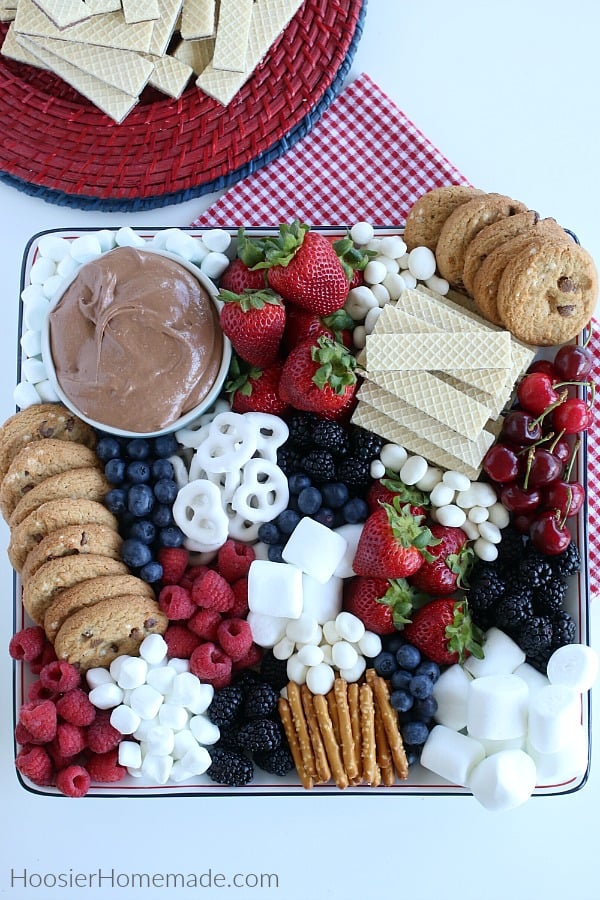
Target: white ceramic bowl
{"points": [[189, 417]]}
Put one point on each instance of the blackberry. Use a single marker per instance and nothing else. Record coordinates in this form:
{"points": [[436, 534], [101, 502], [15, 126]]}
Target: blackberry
{"points": [[275, 762], [488, 585], [535, 569], [568, 562], [228, 736], [331, 436], [260, 734], [319, 465], [539, 660], [550, 599], [273, 671], [564, 629], [261, 701], [514, 607], [246, 680], [354, 471], [511, 549], [534, 635], [230, 768], [226, 705], [365, 443], [289, 459], [301, 429]]}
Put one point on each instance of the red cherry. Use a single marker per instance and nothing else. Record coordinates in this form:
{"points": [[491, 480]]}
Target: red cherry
{"points": [[572, 416], [543, 468], [522, 521], [521, 428], [573, 363], [548, 533], [566, 496], [501, 463], [561, 448], [535, 393], [518, 499], [545, 366]]}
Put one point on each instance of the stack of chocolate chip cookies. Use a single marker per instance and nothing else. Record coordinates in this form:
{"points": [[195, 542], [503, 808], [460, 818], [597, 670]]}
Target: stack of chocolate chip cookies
{"points": [[65, 544], [524, 273]]}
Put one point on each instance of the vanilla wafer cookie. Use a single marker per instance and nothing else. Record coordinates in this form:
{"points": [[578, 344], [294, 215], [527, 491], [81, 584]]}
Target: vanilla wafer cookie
{"points": [[50, 517], [72, 540], [57, 574], [163, 27], [140, 10], [460, 351], [106, 29], [37, 461], [87, 593], [88, 483], [196, 54], [233, 31], [198, 19], [463, 224], [426, 216], [170, 75]]}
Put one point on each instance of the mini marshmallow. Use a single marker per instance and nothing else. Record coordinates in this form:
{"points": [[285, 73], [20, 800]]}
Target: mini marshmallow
{"points": [[413, 469], [46, 391], [153, 649], [214, 264], [35, 313], [370, 644], [97, 676], [320, 678], [180, 665], [330, 632], [183, 741], [284, 648], [161, 678], [451, 754], [205, 731], [86, 248], [67, 267], [553, 714], [106, 695], [275, 589], [132, 673], [25, 395], [130, 754], [126, 237], [41, 270], [315, 549], [124, 719], [296, 671], [216, 239], [182, 244], [179, 773], [393, 456], [497, 707], [574, 666], [310, 655], [106, 239], [31, 343], [157, 767], [504, 780], [344, 655], [356, 671], [146, 701], [115, 666], [267, 631], [202, 699], [53, 247], [184, 690], [349, 627], [173, 716], [501, 656], [141, 732], [197, 760], [160, 740]]}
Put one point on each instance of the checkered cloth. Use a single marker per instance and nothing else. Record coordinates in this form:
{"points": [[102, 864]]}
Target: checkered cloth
{"points": [[364, 160]]}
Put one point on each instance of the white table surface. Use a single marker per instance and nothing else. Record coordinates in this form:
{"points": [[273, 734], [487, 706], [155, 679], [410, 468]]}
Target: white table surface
{"points": [[507, 91]]}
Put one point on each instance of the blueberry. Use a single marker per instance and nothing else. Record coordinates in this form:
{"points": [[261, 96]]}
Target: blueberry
{"points": [[393, 641], [298, 481], [325, 516], [138, 472], [274, 553], [116, 501], [135, 554], [429, 668], [165, 490], [424, 710], [335, 494], [143, 530], [269, 533], [415, 733], [412, 756], [162, 468], [385, 664], [172, 536], [421, 686], [140, 500], [408, 657], [165, 445], [108, 448], [401, 679], [355, 510], [151, 572], [162, 515], [401, 701], [287, 520], [138, 448], [309, 500], [115, 470]]}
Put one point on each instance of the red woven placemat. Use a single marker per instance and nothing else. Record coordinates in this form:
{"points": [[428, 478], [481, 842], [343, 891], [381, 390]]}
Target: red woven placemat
{"points": [[53, 142]]}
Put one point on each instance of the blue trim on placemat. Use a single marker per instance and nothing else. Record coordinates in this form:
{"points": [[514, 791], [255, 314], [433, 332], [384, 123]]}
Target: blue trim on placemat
{"points": [[109, 204]]}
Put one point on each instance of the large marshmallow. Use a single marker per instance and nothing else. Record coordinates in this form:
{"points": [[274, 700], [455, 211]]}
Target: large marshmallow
{"points": [[575, 666], [315, 549], [450, 692], [570, 761], [321, 601], [554, 713], [532, 677], [504, 780], [501, 655], [451, 754], [351, 534], [275, 589], [497, 707]]}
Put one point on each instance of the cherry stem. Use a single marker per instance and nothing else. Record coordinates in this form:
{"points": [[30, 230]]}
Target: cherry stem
{"points": [[562, 520], [561, 399], [541, 441], [588, 337], [530, 455], [556, 440], [574, 453]]}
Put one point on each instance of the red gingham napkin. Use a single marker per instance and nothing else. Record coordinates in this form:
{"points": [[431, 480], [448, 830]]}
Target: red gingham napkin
{"points": [[364, 160]]}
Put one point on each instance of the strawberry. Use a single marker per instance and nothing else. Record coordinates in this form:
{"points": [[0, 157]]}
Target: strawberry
{"points": [[303, 267], [254, 322], [385, 489], [255, 390], [303, 325], [353, 259], [319, 376], [451, 564], [238, 278], [444, 632], [381, 604], [393, 543]]}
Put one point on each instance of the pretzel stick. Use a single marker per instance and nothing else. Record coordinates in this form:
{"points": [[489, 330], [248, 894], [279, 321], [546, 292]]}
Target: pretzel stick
{"points": [[333, 713], [331, 745], [384, 757], [322, 766], [370, 768], [354, 707], [390, 722], [340, 689], [299, 719], [285, 715]]}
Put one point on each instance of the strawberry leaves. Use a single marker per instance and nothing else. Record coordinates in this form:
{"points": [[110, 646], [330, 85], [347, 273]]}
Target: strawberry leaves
{"points": [[336, 365]]}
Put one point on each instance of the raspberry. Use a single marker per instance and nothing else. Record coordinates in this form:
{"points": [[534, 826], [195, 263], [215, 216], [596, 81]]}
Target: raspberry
{"points": [[105, 767], [235, 637], [101, 736], [174, 562], [69, 739], [211, 591], [181, 641], [46, 656], [60, 676], [176, 602], [239, 610], [252, 658], [190, 575], [210, 664], [234, 560], [24, 736], [59, 761], [27, 644], [35, 764], [39, 717], [73, 781], [38, 691], [205, 623], [76, 707]]}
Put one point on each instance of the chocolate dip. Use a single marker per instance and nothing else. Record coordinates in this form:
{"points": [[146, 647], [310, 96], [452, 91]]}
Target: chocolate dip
{"points": [[135, 340]]}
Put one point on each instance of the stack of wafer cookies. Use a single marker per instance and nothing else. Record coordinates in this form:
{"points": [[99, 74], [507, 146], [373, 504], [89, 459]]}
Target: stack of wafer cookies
{"points": [[437, 377], [524, 273], [65, 544], [349, 736], [109, 50]]}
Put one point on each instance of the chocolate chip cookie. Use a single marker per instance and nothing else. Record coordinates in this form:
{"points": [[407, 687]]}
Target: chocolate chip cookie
{"points": [[428, 214]]}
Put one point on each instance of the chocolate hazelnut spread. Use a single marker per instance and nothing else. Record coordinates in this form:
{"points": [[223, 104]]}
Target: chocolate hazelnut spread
{"points": [[135, 340]]}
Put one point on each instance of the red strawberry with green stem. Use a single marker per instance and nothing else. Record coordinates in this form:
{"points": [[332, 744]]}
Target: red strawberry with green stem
{"points": [[303, 325], [319, 376], [444, 632], [383, 605], [393, 543], [452, 561], [254, 323], [385, 489], [255, 390], [238, 278]]}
